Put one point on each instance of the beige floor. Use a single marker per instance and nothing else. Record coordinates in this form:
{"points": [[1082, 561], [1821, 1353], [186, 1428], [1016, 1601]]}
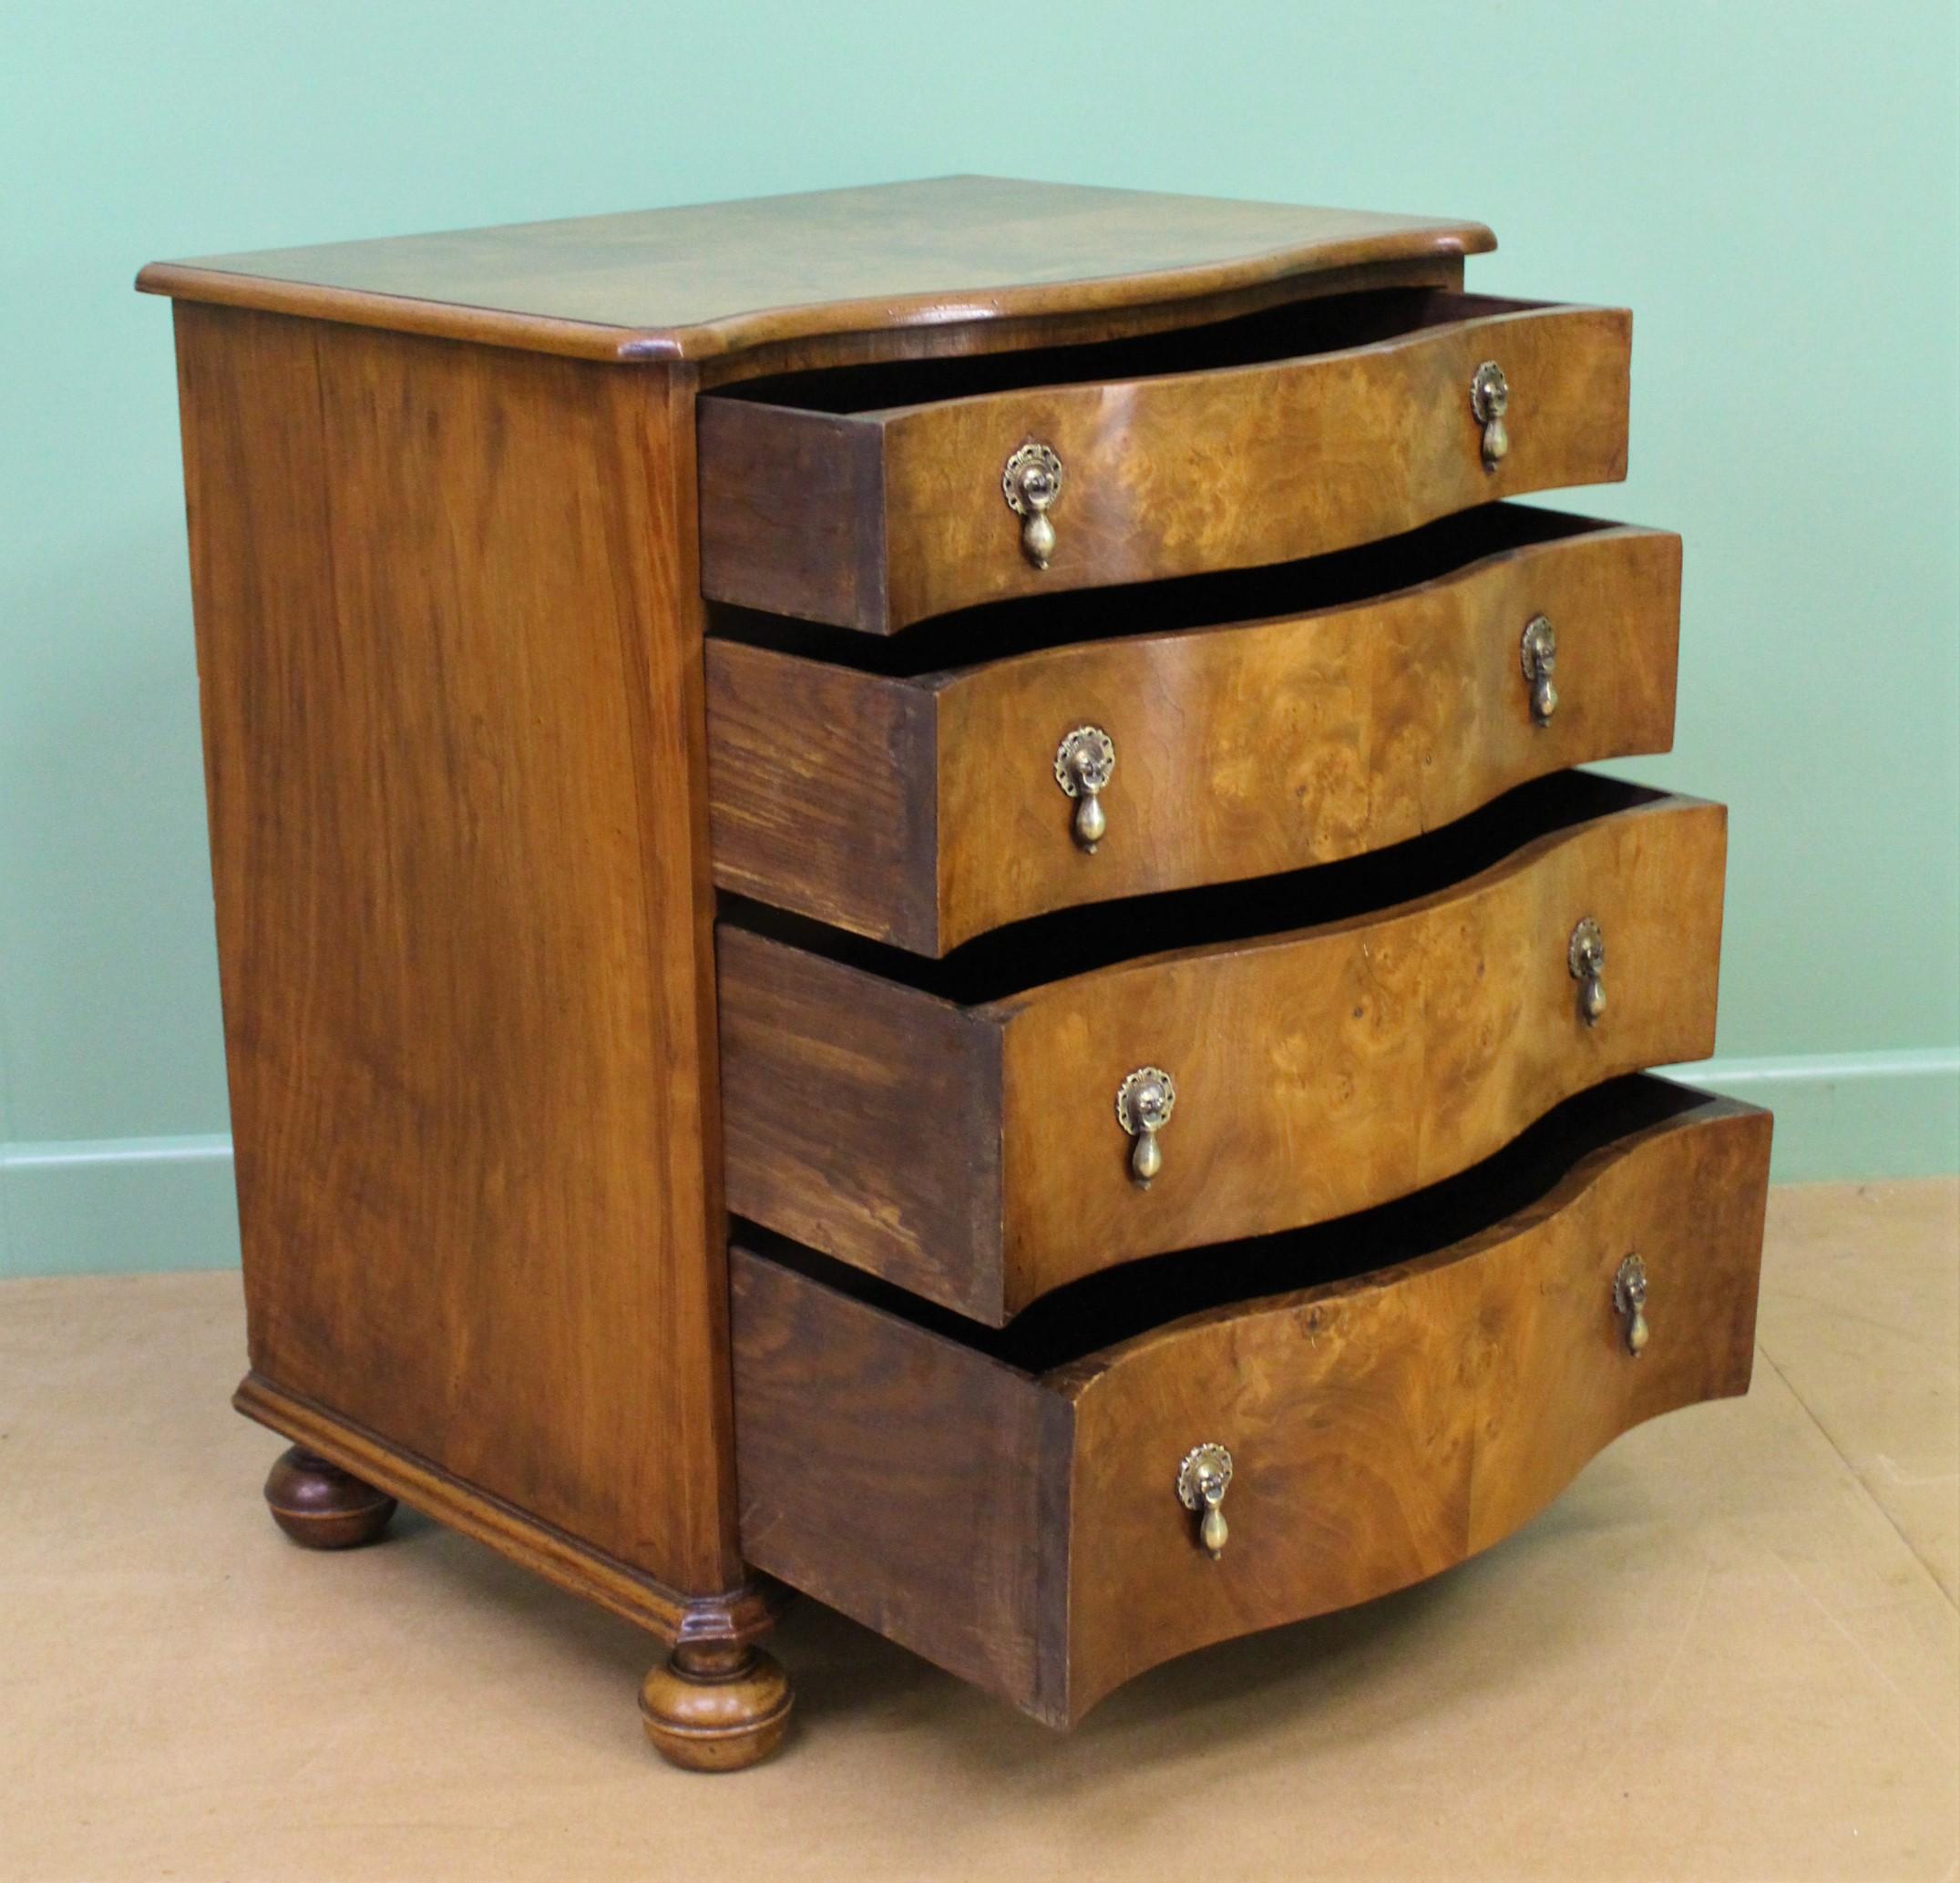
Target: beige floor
{"points": [[1731, 1651]]}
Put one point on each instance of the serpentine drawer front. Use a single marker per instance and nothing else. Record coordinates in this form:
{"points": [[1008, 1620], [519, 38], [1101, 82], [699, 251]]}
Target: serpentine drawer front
{"points": [[905, 911], [1333, 1039], [1411, 1387], [1255, 724], [872, 497]]}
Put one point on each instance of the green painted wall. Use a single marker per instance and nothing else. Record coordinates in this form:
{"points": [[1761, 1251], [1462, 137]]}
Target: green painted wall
{"points": [[1773, 189]]}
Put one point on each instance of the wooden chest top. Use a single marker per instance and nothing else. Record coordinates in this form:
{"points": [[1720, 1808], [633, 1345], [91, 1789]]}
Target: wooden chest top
{"points": [[717, 277]]}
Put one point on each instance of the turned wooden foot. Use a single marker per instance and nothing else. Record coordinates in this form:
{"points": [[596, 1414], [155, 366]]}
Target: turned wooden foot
{"points": [[711, 1708], [318, 1504]]}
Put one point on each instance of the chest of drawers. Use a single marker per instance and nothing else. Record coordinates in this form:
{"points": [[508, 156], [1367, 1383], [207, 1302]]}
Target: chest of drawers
{"points": [[904, 911]]}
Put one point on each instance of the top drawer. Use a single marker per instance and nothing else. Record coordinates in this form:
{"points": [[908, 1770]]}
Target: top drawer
{"points": [[872, 496]]}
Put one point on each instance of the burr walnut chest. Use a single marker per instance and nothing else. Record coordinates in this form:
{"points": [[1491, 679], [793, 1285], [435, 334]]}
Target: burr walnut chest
{"points": [[905, 911]]}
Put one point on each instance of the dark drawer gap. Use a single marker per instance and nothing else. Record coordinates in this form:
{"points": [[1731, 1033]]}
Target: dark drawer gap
{"points": [[1000, 630], [1324, 325], [1051, 947], [1117, 1304]]}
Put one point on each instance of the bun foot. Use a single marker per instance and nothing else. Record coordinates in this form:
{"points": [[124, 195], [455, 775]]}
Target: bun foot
{"points": [[712, 1707], [318, 1504]]}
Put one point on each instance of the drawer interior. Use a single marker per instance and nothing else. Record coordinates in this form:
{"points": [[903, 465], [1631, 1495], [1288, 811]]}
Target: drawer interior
{"points": [[1009, 961], [1002, 629], [1117, 1305], [1294, 331]]}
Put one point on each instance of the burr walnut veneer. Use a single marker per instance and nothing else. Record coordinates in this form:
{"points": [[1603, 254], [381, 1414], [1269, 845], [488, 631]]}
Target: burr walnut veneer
{"points": [[994, 749]]}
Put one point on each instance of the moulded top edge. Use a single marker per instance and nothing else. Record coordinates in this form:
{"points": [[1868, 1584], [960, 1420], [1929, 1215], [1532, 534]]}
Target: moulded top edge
{"points": [[698, 282]]}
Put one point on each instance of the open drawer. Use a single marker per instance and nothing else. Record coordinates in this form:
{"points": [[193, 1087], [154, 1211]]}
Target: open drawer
{"points": [[872, 496], [1401, 1390], [977, 1128], [925, 788]]}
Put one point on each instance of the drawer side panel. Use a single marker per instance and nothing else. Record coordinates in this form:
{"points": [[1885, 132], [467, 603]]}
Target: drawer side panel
{"points": [[792, 512], [862, 1117], [900, 1478], [823, 791]]}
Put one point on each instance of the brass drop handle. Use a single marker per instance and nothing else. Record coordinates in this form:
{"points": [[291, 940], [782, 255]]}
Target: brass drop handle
{"points": [[1586, 959], [1030, 484], [1203, 1479], [1083, 761], [1538, 654], [1143, 1103], [1629, 1302], [1489, 396]]}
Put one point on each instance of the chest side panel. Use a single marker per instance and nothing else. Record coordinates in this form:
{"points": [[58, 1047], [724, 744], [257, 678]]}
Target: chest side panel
{"points": [[449, 658]]}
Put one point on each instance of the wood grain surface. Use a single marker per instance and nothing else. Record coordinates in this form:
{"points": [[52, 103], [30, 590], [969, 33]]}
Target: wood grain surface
{"points": [[1021, 1527], [875, 518], [922, 809], [1385, 1430], [862, 1115], [918, 1486], [449, 653], [1322, 1071], [711, 278], [1319, 1069]]}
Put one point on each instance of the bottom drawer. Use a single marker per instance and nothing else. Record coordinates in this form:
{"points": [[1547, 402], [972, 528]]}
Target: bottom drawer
{"points": [[1396, 1391]]}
